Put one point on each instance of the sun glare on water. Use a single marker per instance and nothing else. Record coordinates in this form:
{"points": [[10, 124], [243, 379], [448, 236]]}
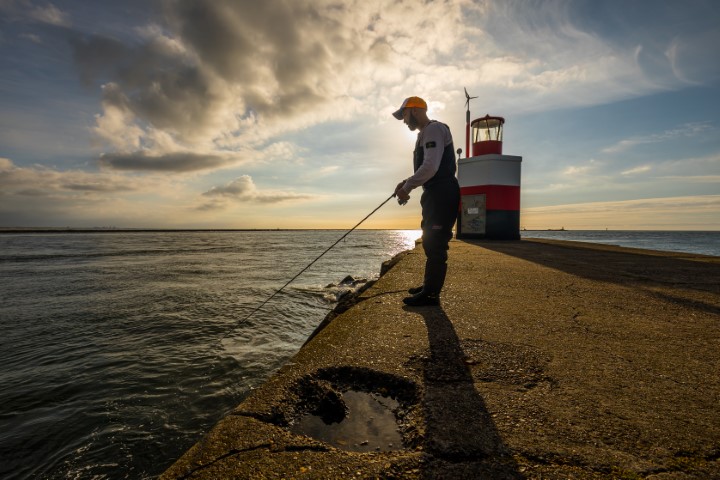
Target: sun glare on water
{"points": [[409, 237]]}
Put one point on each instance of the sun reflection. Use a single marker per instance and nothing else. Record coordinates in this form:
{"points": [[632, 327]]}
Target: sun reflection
{"points": [[408, 237]]}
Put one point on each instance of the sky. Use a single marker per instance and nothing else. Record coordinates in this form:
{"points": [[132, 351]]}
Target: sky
{"points": [[277, 114]]}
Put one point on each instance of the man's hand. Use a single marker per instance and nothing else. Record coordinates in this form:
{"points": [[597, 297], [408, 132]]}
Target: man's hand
{"points": [[401, 194]]}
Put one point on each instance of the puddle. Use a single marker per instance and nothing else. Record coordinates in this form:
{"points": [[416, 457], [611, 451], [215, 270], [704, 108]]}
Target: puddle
{"points": [[355, 409], [357, 421]]}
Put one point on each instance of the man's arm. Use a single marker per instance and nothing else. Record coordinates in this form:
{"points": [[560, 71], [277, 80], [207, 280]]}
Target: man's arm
{"points": [[433, 147]]}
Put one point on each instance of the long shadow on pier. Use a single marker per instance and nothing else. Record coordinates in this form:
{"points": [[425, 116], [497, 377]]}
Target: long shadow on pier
{"points": [[462, 439], [658, 274]]}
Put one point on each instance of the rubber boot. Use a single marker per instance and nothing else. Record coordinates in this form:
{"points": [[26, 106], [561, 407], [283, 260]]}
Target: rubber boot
{"points": [[422, 299], [435, 272]]}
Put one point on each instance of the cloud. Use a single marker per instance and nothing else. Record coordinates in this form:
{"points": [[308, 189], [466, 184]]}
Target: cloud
{"points": [[687, 130], [589, 168], [43, 181], [167, 156], [688, 56], [243, 189], [671, 213], [216, 69], [328, 170], [619, 178], [171, 162], [217, 77], [231, 74], [556, 54], [640, 169], [50, 14], [41, 196], [24, 10], [692, 167], [32, 37], [573, 170]]}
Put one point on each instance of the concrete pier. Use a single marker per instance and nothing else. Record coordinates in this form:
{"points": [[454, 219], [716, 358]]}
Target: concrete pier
{"points": [[547, 359]]}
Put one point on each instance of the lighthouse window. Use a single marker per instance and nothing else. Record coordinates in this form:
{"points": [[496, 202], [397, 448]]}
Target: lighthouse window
{"points": [[485, 130]]}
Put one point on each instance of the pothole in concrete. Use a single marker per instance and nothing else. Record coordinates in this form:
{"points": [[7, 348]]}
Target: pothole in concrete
{"points": [[356, 409], [357, 421]]}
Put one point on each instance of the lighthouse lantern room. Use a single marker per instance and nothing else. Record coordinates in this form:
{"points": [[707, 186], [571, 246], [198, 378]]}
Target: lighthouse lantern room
{"points": [[486, 135], [489, 184]]}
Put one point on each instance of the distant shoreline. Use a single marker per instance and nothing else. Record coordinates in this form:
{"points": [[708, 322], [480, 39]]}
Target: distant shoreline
{"points": [[170, 230], [190, 230]]}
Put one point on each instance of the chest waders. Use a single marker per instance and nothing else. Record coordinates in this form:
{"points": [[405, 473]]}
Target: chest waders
{"points": [[439, 202]]}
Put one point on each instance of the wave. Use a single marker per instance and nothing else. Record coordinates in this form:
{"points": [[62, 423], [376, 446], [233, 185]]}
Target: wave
{"points": [[127, 253]]}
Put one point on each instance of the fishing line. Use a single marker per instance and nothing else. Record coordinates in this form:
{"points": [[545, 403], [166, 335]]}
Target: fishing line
{"points": [[303, 270]]}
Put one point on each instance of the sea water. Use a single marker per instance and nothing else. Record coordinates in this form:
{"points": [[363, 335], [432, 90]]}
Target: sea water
{"points": [[111, 352]]}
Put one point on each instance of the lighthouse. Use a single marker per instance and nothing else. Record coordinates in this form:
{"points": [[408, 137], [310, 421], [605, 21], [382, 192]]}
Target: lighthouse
{"points": [[489, 183]]}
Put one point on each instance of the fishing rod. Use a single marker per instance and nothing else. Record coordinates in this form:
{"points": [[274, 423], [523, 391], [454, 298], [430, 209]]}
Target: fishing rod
{"points": [[308, 266]]}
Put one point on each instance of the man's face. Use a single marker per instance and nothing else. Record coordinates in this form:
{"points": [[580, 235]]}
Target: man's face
{"points": [[410, 119]]}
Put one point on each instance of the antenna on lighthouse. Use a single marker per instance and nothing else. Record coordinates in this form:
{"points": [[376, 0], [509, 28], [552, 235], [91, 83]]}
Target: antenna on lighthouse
{"points": [[467, 122]]}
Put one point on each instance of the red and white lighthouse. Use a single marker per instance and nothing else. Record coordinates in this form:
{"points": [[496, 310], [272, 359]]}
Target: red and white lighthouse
{"points": [[489, 184]]}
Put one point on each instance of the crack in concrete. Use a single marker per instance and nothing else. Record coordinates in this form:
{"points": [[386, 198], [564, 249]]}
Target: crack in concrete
{"points": [[268, 446], [223, 457], [265, 418]]}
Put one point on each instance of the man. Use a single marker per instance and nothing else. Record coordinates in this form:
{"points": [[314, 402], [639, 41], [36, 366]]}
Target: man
{"points": [[434, 167]]}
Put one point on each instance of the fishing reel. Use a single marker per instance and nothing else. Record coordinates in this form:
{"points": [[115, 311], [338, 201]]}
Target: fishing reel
{"points": [[401, 202]]}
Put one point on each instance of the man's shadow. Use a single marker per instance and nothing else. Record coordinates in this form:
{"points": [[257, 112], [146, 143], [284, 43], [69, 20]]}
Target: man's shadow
{"points": [[461, 437]]}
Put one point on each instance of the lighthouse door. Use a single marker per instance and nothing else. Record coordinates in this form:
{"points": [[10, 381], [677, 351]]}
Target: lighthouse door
{"points": [[472, 217]]}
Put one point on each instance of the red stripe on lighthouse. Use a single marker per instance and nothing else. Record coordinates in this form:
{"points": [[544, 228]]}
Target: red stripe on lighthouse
{"points": [[497, 197]]}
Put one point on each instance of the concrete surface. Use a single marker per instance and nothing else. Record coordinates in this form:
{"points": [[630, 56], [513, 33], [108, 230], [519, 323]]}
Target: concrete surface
{"points": [[547, 359]]}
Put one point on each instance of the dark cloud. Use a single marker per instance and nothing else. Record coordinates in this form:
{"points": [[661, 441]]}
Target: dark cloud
{"points": [[212, 206], [52, 183], [172, 162], [213, 63], [253, 43], [98, 187], [96, 56], [32, 192], [152, 81]]}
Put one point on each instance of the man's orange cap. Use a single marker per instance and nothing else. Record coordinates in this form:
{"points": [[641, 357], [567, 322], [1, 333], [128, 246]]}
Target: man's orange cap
{"points": [[410, 102]]}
